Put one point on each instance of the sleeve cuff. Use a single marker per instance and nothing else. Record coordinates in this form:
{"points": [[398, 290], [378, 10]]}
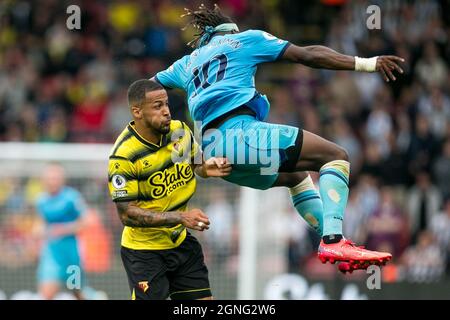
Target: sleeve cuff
{"points": [[125, 199], [159, 81], [283, 50]]}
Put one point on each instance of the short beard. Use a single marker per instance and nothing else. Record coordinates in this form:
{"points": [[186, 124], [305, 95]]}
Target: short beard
{"points": [[164, 130], [160, 130]]}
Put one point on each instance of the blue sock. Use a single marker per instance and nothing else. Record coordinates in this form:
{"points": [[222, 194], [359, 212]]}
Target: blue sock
{"points": [[307, 201], [333, 184]]}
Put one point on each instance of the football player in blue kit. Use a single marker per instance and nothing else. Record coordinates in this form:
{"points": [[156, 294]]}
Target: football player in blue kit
{"points": [[63, 212], [218, 77]]}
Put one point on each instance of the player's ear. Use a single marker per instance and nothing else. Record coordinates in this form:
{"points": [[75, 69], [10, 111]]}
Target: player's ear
{"points": [[136, 111]]}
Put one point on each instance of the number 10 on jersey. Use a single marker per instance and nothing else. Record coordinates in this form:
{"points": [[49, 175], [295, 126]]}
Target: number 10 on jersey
{"points": [[202, 73]]}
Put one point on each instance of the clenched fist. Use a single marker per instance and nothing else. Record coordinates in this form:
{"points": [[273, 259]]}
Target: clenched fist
{"points": [[195, 219]]}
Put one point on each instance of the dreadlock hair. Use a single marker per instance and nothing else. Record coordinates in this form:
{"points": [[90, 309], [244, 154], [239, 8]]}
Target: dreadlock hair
{"points": [[202, 18]]}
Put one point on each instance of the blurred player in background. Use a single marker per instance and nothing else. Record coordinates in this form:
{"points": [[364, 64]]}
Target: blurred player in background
{"points": [[151, 191], [218, 77], [62, 210]]}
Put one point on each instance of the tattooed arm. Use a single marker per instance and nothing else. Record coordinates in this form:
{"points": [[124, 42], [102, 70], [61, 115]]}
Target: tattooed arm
{"points": [[133, 216]]}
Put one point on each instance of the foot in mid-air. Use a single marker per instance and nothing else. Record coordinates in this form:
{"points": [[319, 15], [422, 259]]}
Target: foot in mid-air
{"points": [[354, 257]]}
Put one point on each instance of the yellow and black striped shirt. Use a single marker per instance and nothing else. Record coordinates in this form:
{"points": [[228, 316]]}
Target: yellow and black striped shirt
{"points": [[159, 177]]}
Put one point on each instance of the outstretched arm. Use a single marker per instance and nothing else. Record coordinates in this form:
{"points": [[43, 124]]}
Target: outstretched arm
{"points": [[325, 58]]}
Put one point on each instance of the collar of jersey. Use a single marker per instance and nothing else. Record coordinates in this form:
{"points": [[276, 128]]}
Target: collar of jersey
{"points": [[218, 35], [142, 140]]}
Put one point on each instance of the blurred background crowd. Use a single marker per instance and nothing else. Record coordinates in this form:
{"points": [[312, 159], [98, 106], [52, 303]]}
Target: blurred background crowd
{"points": [[60, 85]]}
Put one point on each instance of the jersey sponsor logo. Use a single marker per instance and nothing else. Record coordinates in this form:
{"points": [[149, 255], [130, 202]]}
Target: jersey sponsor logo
{"points": [[120, 193], [118, 181], [268, 36], [167, 181], [143, 285]]}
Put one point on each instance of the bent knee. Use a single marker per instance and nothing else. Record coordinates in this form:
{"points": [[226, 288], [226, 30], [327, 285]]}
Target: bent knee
{"points": [[341, 154], [336, 153], [290, 179]]}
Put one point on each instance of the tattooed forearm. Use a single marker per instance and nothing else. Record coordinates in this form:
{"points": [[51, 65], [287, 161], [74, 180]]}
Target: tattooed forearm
{"points": [[133, 216]]}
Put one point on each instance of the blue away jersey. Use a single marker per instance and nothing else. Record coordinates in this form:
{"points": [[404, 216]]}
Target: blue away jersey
{"points": [[220, 76], [66, 206]]}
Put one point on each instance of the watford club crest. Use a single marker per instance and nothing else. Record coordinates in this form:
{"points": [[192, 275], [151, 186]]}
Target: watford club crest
{"points": [[143, 285]]}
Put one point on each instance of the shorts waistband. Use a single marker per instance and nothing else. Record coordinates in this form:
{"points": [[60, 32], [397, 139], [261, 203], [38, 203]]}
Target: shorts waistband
{"points": [[216, 123]]}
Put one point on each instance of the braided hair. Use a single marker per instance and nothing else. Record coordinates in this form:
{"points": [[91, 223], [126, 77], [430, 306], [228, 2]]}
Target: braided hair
{"points": [[202, 18]]}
